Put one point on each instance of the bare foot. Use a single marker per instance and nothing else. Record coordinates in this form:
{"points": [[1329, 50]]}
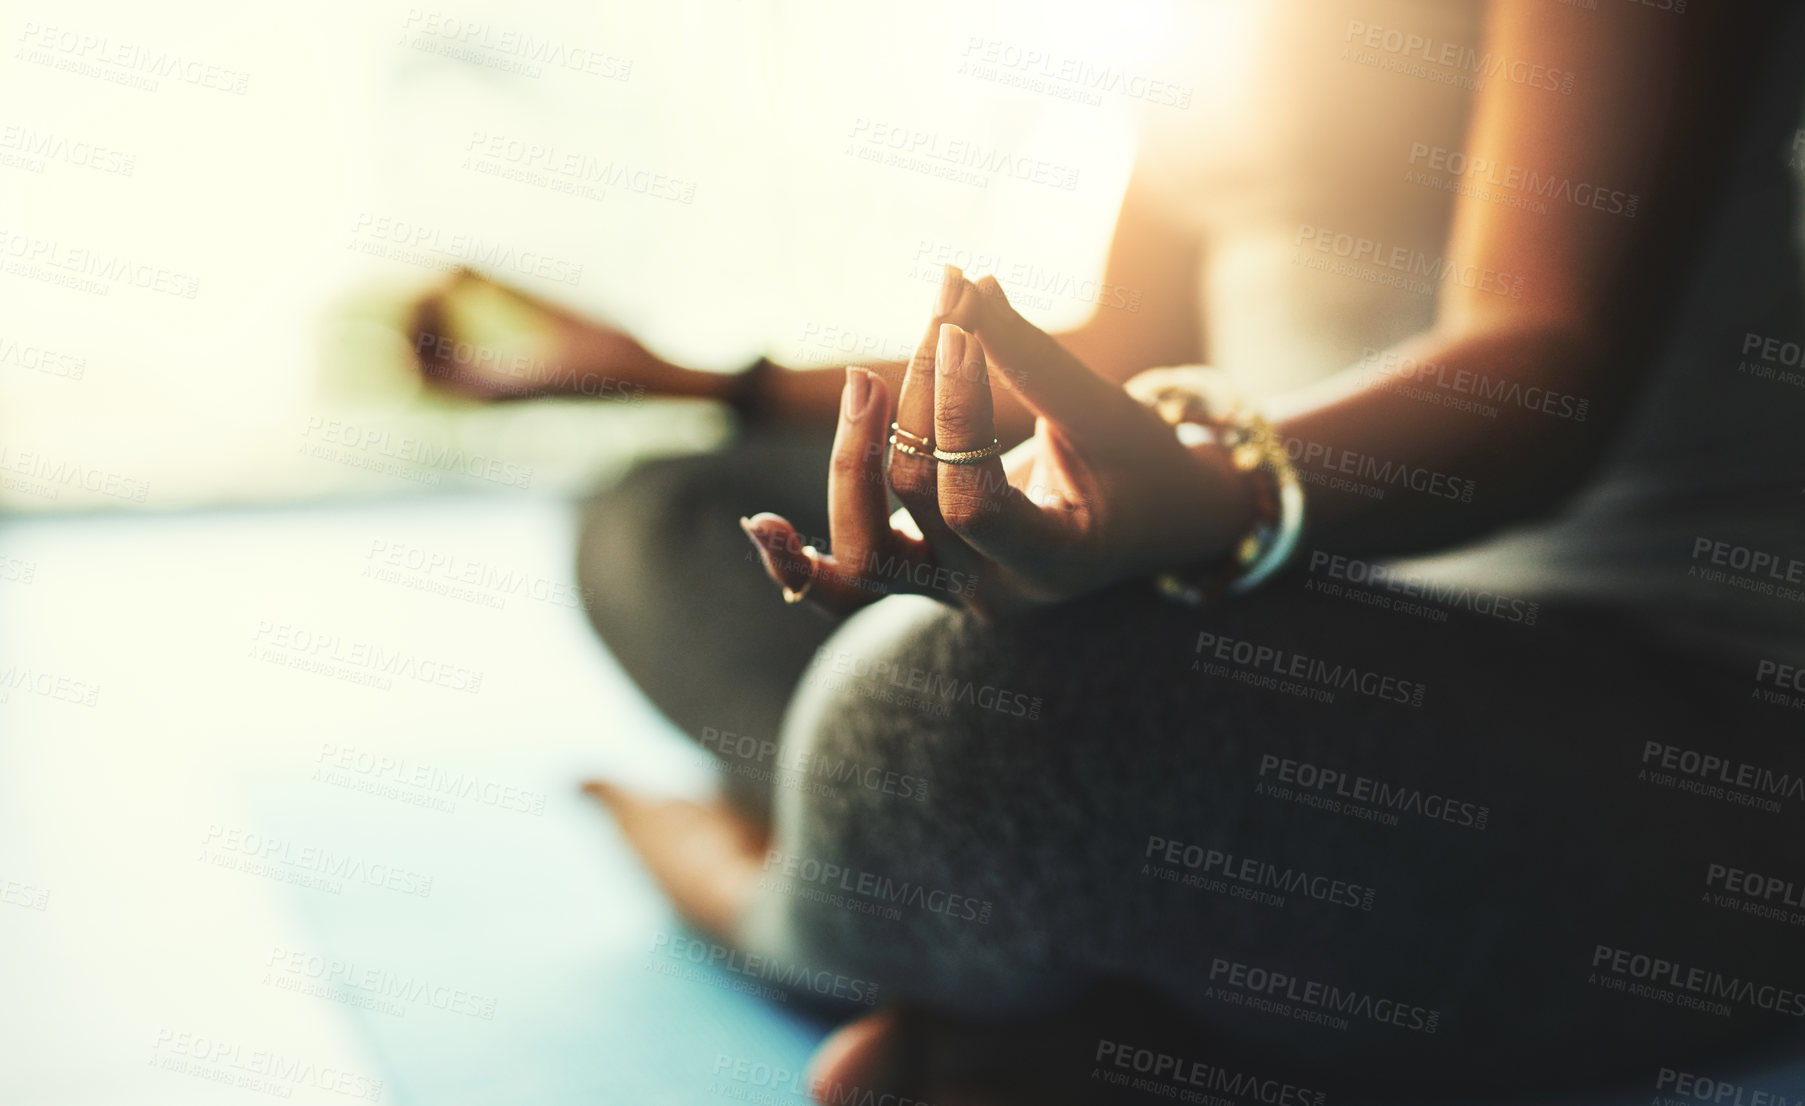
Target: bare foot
{"points": [[1057, 1059], [706, 856]]}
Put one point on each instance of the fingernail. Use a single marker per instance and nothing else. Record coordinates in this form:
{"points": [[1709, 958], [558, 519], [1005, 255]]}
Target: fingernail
{"points": [[752, 532], [950, 349], [758, 543], [857, 394], [950, 280]]}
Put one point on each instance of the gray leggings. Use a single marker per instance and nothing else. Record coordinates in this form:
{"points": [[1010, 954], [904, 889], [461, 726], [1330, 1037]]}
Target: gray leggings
{"points": [[1359, 848]]}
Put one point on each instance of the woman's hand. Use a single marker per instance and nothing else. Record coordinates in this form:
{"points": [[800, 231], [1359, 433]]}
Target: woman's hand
{"points": [[474, 337], [1102, 492]]}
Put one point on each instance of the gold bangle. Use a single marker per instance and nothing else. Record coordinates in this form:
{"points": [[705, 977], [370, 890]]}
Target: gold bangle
{"points": [[1199, 396], [969, 456]]}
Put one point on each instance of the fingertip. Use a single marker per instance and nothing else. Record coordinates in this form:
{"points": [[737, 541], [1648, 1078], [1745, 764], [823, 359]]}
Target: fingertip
{"points": [[764, 524], [786, 560], [880, 388], [952, 280], [950, 349], [877, 390], [858, 1055], [768, 532], [855, 397]]}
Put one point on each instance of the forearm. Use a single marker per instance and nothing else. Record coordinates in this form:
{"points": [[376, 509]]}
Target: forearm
{"points": [[1394, 461]]}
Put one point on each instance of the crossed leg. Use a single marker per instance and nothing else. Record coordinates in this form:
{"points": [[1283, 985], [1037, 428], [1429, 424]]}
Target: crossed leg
{"points": [[990, 822]]}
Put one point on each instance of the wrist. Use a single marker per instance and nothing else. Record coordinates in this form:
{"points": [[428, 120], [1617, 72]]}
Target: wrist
{"points": [[1232, 504], [1254, 525], [748, 391]]}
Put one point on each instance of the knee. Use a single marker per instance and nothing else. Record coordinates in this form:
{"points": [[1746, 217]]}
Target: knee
{"points": [[632, 520], [912, 693], [932, 834]]}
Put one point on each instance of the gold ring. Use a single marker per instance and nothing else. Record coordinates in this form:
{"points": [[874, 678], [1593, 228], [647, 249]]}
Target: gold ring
{"points": [[968, 456], [814, 565], [898, 432], [905, 447]]}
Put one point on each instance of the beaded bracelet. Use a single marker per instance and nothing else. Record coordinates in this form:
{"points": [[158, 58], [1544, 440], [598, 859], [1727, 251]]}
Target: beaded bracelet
{"points": [[1202, 399]]}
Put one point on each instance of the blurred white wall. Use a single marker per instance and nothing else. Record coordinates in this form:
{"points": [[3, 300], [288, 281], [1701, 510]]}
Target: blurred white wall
{"points": [[243, 162]]}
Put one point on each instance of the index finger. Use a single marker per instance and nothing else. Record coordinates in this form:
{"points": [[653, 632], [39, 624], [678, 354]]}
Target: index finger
{"points": [[1049, 379], [976, 498]]}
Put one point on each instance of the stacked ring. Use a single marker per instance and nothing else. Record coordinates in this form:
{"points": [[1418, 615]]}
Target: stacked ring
{"points": [[916, 446], [969, 456], [795, 595]]}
